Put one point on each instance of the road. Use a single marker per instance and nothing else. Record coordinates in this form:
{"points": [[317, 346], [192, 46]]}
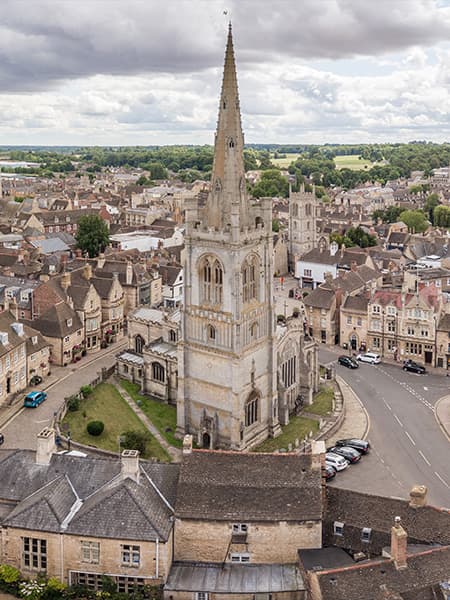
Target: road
{"points": [[408, 446], [22, 430]]}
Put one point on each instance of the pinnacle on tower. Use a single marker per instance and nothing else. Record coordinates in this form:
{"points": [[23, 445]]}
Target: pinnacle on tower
{"points": [[228, 191]]}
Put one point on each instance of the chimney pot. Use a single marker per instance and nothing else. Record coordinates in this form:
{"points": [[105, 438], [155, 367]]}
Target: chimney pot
{"points": [[418, 496]]}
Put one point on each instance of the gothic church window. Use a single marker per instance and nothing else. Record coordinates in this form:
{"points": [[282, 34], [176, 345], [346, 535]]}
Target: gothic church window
{"points": [[211, 332], [139, 344], [211, 276], [295, 210], [158, 372], [173, 335], [251, 409], [249, 279]]}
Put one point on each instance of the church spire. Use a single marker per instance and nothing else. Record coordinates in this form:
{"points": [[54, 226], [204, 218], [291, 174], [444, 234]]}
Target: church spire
{"points": [[228, 193]]}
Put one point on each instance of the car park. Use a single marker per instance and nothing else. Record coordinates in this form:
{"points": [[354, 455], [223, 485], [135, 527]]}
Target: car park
{"points": [[33, 399], [337, 462], [348, 361], [413, 367], [369, 357], [330, 472], [362, 446], [347, 452]]}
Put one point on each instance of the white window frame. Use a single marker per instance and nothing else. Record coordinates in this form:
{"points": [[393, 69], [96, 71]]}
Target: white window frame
{"points": [[201, 595], [90, 552], [338, 528], [366, 534], [128, 555], [240, 557], [240, 528]]}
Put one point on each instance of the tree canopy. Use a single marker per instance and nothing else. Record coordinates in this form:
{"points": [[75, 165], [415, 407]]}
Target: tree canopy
{"points": [[271, 184], [92, 235], [415, 220]]}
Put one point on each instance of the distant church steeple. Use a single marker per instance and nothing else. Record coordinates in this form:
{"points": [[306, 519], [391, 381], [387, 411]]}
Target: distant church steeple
{"points": [[227, 202]]}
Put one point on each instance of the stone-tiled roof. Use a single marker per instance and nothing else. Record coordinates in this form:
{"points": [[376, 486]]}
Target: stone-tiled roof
{"points": [[321, 297], [54, 322], [371, 580], [216, 485]]}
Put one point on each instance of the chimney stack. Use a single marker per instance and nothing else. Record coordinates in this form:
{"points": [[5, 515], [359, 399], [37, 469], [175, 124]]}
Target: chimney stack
{"points": [[130, 464], [129, 273], [87, 271], [101, 260], [45, 446], [399, 541], [65, 280], [418, 496], [317, 455]]}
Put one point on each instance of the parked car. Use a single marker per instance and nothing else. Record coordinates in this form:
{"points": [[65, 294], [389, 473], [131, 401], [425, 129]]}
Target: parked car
{"points": [[410, 365], [2, 438], [348, 361], [337, 462], [36, 380], [369, 357], [33, 399], [330, 472], [361, 445], [347, 452]]}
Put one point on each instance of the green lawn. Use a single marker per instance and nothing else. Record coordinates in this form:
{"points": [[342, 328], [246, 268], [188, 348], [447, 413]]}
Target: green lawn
{"points": [[284, 162], [298, 427], [323, 402], [107, 405], [352, 161], [162, 415]]}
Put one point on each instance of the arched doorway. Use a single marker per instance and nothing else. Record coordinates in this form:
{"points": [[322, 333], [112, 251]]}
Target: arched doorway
{"points": [[206, 440], [353, 342]]}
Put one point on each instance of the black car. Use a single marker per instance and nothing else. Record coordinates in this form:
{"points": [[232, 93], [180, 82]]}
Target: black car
{"points": [[349, 453], [36, 380], [329, 472], [410, 365], [2, 438], [360, 445], [348, 361]]}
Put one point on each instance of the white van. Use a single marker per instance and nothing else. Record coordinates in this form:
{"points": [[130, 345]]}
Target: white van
{"points": [[369, 357]]}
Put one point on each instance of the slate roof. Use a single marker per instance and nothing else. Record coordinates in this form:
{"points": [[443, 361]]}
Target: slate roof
{"points": [[44, 496], [215, 485], [170, 274], [356, 303], [53, 323], [48, 246], [427, 524], [320, 297], [371, 579]]}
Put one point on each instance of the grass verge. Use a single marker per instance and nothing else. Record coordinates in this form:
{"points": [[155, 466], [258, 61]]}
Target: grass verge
{"points": [[323, 402], [298, 427], [162, 415], [107, 405]]}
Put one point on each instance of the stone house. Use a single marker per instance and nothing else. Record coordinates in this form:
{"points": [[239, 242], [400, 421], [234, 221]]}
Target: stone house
{"points": [[133, 277], [353, 321], [173, 285], [61, 327], [57, 516], [13, 357], [443, 342], [221, 524], [38, 354], [321, 315]]}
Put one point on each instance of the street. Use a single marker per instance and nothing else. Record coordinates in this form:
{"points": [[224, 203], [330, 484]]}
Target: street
{"points": [[408, 446], [21, 431]]}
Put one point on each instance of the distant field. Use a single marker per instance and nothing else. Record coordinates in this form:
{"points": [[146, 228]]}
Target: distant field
{"points": [[352, 161], [284, 162]]}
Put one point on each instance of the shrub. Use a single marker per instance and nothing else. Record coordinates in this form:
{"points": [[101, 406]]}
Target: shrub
{"points": [[135, 440], [73, 403], [9, 574], [86, 390], [95, 427], [33, 590]]}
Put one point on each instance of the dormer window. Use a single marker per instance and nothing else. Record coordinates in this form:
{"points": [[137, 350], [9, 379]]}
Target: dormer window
{"points": [[34, 340], [365, 534], [69, 322], [338, 528]]}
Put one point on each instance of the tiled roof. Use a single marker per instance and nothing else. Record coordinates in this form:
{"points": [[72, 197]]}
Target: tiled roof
{"points": [[54, 322], [248, 487], [320, 298]]}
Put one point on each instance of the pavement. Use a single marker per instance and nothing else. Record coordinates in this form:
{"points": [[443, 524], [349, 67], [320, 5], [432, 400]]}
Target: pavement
{"points": [[356, 420], [58, 374]]}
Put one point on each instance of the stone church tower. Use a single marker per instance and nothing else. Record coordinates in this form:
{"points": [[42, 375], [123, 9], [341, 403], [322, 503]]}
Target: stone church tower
{"points": [[227, 380], [303, 212]]}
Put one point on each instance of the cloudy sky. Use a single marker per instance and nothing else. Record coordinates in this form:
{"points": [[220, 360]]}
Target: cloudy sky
{"points": [[132, 72]]}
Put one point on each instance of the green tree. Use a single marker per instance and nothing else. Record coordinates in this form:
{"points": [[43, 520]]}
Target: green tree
{"points": [[135, 440], [92, 235], [415, 220], [441, 216], [430, 204], [271, 184], [157, 170]]}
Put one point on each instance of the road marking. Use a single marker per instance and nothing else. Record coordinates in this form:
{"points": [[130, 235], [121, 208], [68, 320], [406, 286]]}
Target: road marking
{"points": [[410, 439], [424, 458], [44, 421], [398, 420], [387, 405], [439, 477]]}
